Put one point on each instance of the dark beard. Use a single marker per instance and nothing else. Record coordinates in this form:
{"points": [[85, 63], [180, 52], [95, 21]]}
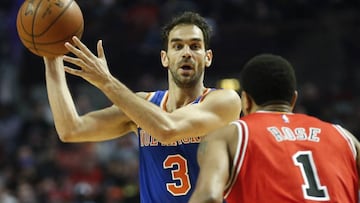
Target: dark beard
{"points": [[191, 82]]}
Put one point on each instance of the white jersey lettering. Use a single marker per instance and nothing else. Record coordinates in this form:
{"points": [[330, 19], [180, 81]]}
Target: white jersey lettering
{"points": [[297, 134]]}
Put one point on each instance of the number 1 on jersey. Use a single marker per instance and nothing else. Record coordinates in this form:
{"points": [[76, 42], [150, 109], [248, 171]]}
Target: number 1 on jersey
{"points": [[312, 189]]}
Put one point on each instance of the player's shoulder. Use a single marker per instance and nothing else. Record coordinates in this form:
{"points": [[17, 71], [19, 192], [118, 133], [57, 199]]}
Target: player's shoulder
{"points": [[226, 98], [228, 94], [226, 131], [225, 102]]}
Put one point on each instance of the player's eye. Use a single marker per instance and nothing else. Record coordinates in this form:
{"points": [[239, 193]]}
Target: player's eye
{"points": [[178, 46], [195, 46]]}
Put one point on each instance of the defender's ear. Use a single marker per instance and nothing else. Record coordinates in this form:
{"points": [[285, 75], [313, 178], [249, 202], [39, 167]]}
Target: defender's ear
{"points": [[246, 102], [293, 100]]}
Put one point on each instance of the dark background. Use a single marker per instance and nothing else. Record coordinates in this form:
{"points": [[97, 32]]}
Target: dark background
{"points": [[320, 38]]}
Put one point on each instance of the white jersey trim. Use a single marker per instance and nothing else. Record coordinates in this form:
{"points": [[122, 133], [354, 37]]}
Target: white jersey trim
{"points": [[243, 138], [150, 96], [350, 141]]}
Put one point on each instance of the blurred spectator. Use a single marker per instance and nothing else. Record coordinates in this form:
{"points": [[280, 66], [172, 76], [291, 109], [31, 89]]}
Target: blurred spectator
{"points": [[319, 37], [26, 193], [10, 126], [6, 196]]}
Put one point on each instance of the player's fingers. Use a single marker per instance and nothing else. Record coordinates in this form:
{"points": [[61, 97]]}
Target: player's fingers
{"points": [[73, 71], [82, 47], [100, 50], [74, 50], [77, 52], [75, 61]]}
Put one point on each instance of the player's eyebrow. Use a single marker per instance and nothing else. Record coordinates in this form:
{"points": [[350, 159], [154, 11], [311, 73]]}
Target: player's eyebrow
{"points": [[179, 39]]}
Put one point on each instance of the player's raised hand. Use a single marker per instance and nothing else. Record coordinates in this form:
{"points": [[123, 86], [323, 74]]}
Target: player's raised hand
{"points": [[92, 68]]}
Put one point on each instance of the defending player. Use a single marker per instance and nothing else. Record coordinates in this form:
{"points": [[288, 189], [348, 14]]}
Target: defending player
{"points": [[272, 154]]}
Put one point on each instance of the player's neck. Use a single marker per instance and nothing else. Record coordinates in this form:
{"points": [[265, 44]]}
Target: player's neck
{"points": [[179, 97], [275, 108]]}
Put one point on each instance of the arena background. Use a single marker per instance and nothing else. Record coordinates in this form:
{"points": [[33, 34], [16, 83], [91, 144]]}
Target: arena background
{"points": [[320, 38]]}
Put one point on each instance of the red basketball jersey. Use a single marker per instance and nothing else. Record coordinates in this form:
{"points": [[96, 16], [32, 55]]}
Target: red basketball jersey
{"points": [[285, 157]]}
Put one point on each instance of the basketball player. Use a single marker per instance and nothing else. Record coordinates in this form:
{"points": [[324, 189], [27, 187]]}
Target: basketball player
{"points": [[272, 154], [169, 123]]}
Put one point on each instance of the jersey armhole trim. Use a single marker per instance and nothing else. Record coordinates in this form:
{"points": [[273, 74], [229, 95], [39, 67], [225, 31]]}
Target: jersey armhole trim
{"points": [[149, 96], [347, 138], [239, 156]]}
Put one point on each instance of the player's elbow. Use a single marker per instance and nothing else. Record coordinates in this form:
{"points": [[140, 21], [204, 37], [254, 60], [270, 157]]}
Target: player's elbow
{"points": [[68, 134], [166, 135], [207, 199], [170, 132], [70, 131], [211, 200], [66, 137]]}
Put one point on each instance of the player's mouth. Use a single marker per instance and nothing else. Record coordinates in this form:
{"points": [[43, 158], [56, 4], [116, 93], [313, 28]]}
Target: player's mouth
{"points": [[186, 67], [186, 70]]}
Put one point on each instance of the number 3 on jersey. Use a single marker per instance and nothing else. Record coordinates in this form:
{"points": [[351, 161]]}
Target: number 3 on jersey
{"points": [[179, 172], [312, 189]]}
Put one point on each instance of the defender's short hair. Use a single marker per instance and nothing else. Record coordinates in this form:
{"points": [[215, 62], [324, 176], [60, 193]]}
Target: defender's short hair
{"points": [[268, 78]]}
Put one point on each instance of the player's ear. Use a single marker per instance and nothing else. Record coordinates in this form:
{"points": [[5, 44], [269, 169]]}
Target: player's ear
{"points": [[293, 99], [208, 57], [164, 58], [246, 102]]}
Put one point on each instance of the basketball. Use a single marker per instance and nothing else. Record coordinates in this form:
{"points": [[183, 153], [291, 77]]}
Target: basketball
{"points": [[44, 26]]}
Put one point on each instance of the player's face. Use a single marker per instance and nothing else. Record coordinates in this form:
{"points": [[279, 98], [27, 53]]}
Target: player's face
{"points": [[186, 57]]}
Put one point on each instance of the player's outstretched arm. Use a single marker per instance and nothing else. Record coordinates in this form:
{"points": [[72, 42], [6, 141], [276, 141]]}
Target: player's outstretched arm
{"points": [[217, 109], [215, 163], [98, 125]]}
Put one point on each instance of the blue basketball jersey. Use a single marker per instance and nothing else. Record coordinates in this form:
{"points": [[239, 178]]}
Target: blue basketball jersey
{"points": [[168, 173]]}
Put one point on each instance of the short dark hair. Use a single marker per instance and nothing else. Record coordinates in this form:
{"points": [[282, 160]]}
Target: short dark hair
{"points": [[187, 18], [268, 78]]}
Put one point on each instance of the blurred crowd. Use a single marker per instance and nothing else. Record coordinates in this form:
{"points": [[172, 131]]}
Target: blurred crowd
{"points": [[320, 38]]}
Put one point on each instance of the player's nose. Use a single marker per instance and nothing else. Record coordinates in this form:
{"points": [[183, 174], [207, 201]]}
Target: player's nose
{"points": [[186, 52]]}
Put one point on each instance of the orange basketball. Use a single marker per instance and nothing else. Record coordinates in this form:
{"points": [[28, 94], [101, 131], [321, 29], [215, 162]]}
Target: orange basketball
{"points": [[45, 25]]}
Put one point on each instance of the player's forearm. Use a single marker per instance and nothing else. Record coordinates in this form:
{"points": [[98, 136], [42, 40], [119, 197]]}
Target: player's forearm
{"points": [[61, 103], [147, 115]]}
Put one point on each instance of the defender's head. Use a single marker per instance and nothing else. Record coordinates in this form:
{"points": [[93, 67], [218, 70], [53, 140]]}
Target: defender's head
{"points": [[268, 79]]}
